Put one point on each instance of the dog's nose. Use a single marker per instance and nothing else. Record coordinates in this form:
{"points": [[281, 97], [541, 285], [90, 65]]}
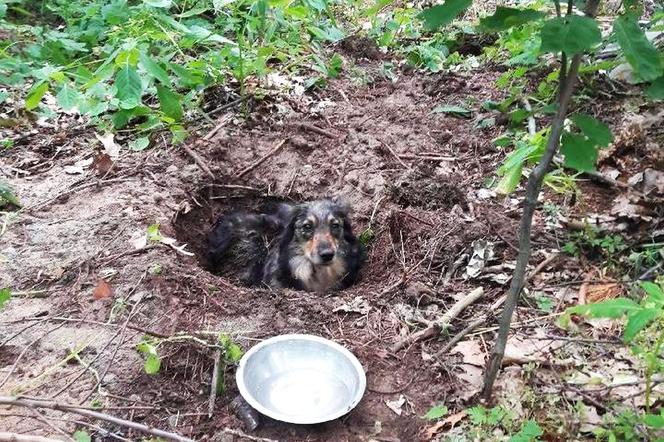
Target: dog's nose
{"points": [[326, 255]]}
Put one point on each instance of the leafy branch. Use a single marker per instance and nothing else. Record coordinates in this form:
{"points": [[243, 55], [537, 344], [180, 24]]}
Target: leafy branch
{"points": [[567, 82]]}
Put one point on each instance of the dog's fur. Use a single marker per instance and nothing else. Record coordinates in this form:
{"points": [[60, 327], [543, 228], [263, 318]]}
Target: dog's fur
{"points": [[309, 246]]}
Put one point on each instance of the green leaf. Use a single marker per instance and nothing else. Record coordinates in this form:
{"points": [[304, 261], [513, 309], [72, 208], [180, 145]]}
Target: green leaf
{"points": [[641, 54], [139, 143], [7, 195], [5, 294], [128, 56], [656, 89], [152, 361], [580, 153], [654, 421], [510, 180], [612, 308], [455, 111], [655, 293], [504, 18], [529, 432], [569, 34], [129, 87], [179, 133], [152, 364], [593, 129], [380, 4], [153, 68], [35, 95], [81, 436], [637, 321], [436, 413], [233, 352], [68, 97], [441, 15], [170, 103], [158, 3], [153, 233]]}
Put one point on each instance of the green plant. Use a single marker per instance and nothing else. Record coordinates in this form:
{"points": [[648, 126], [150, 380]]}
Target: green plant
{"points": [[436, 412], [486, 423], [81, 436], [591, 242], [5, 295], [643, 332], [230, 354], [144, 65], [148, 347], [7, 195]]}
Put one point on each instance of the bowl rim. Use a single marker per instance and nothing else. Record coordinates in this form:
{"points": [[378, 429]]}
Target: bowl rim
{"points": [[244, 391]]}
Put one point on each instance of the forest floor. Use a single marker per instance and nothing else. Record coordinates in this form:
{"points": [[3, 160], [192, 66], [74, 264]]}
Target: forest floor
{"points": [[417, 182]]}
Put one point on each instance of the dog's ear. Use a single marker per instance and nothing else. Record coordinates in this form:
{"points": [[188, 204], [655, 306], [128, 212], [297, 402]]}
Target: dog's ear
{"points": [[342, 203]]}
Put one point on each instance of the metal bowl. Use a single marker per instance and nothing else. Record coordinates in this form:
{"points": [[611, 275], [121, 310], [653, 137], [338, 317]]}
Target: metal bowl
{"points": [[301, 379]]}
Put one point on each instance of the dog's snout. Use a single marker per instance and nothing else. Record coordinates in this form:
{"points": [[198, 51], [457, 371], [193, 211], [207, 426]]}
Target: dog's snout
{"points": [[326, 255]]}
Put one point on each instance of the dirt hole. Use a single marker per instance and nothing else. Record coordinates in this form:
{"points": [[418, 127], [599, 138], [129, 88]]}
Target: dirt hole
{"points": [[210, 203]]}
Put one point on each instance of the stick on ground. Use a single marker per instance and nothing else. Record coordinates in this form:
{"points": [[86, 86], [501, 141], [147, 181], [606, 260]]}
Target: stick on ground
{"points": [[260, 161], [15, 437], [435, 327], [36, 404], [317, 129], [199, 161]]}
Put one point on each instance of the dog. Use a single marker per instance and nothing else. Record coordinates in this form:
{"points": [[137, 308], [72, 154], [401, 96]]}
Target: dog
{"points": [[309, 246]]}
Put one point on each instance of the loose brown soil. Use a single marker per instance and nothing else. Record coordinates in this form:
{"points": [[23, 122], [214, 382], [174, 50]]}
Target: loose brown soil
{"points": [[77, 229]]}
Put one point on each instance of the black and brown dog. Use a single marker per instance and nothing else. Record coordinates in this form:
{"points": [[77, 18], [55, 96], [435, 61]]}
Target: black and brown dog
{"points": [[309, 246]]}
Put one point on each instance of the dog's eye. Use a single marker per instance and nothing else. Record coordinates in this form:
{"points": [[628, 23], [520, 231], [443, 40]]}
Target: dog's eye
{"points": [[307, 228], [335, 224]]}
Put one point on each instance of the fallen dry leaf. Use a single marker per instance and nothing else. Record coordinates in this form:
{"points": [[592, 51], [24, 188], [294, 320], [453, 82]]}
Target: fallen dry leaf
{"points": [[110, 146], [474, 378], [102, 163], [356, 305], [522, 351], [102, 291], [471, 351], [602, 292], [396, 405], [450, 421]]}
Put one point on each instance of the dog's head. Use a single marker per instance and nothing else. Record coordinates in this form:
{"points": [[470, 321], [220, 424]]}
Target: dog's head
{"points": [[319, 229]]}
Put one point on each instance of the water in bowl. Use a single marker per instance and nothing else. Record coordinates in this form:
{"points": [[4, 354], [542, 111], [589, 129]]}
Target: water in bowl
{"points": [[304, 393]]}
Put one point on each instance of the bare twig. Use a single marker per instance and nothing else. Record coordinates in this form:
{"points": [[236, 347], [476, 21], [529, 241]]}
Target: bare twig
{"points": [[199, 161], [428, 157], [222, 122], [37, 404], [435, 327], [15, 437], [25, 350], [394, 154], [37, 416], [316, 129], [216, 379], [650, 271], [134, 311], [541, 266], [459, 336], [226, 106], [532, 192], [261, 160], [470, 328]]}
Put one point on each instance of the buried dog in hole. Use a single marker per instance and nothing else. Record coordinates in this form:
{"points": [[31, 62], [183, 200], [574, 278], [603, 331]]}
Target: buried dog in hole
{"points": [[309, 246]]}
